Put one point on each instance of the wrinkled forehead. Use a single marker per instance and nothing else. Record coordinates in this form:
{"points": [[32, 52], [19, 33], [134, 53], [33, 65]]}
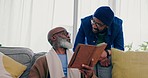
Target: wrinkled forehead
{"points": [[55, 30]]}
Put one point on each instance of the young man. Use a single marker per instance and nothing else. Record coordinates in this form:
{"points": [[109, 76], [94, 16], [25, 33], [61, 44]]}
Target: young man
{"points": [[54, 63], [100, 27]]}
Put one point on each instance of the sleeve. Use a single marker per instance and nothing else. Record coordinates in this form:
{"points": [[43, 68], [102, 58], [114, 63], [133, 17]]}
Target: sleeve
{"points": [[94, 76], [39, 68], [80, 37], [119, 40]]}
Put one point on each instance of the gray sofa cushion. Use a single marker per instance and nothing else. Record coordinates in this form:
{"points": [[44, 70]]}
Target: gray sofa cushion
{"points": [[20, 54], [37, 55]]}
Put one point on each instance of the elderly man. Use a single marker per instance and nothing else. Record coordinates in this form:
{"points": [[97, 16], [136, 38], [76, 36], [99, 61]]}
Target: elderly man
{"points": [[54, 63]]}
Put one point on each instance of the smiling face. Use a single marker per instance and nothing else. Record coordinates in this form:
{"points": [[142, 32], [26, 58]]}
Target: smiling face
{"points": [[97, 25]]}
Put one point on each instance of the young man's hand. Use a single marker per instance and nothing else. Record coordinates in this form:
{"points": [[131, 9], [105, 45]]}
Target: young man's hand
{"points": [[104, 61]]}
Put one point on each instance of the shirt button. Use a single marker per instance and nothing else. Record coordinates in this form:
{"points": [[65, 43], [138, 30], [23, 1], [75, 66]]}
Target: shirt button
{"points": [[94, 41]]}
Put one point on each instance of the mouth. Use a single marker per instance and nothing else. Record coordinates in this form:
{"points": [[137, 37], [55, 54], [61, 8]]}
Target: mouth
{"points": [[69, 40], [95, 30]]}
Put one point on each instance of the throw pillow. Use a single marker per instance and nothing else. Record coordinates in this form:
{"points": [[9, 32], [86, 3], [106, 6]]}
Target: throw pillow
{"points": [[10, 68], [129, 64]]}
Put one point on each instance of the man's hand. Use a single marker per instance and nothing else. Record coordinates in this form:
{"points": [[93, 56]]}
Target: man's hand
{"points": [[104, 61], [88, 71], [103, 55]]}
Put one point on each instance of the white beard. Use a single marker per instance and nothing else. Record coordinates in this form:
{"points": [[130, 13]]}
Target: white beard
{"points": [[65, 44]]}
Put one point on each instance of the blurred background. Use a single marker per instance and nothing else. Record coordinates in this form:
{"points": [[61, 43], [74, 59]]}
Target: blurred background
{"points": [[26, 23]]}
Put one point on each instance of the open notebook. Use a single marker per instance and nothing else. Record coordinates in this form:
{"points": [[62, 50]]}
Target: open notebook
{"points": [[84, 54]]}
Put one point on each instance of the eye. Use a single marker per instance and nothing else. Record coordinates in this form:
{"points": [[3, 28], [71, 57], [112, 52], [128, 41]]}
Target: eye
{"points": [[62, 33]]}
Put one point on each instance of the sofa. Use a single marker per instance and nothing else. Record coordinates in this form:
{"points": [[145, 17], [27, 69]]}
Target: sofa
{"points": [[126, 64], [23, 55], [129, 64]]}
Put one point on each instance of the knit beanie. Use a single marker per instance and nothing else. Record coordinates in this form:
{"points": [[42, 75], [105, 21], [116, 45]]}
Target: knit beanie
{"points": [[104, 14]]}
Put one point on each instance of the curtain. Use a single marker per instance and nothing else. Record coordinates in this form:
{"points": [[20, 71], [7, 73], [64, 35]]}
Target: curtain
{"points": [[15, 17], [26, 23], [134, 14]]}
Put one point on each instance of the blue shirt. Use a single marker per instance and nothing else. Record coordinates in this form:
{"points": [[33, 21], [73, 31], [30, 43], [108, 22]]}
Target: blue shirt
{"points": [[63, 58]]}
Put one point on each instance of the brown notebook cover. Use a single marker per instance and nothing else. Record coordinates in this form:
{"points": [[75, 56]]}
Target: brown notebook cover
{"points": [[84, 54]]}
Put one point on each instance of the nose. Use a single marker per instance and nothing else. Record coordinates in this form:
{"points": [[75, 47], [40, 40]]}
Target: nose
{"points": [[94, 27], [68, 35]]}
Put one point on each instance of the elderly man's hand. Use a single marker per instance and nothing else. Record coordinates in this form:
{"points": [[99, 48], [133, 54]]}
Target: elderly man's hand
{"points": [[87, 70]]}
